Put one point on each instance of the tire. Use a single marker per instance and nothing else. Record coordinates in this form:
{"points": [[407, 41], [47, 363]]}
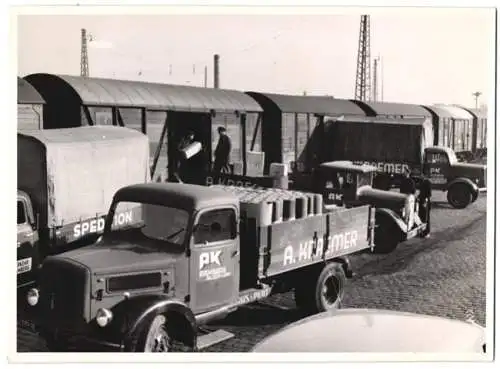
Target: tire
{"points": [[387, 236], [321, 291], [475, 196], [459, 196], [153, 337]]}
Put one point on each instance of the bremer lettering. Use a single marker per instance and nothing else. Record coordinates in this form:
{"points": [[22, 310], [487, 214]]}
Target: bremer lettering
{"points": [[393, 168]]}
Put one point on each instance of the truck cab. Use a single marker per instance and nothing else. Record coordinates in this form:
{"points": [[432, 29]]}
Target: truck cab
{"points": [[27, 241], [340, 181], [462, 181]]}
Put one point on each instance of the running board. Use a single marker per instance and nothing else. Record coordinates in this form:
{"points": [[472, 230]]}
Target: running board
{"points": [[274, 306], [213, 338]]}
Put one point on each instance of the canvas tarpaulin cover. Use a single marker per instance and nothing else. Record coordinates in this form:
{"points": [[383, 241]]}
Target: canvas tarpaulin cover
{"points": [[80, 169], [380, 140]]}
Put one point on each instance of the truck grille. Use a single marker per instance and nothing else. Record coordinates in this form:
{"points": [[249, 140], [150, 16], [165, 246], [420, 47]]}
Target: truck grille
{"points": [[64, 291]]}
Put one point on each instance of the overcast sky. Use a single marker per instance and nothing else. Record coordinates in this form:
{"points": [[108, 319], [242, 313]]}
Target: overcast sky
{"points": [[427, 56]]}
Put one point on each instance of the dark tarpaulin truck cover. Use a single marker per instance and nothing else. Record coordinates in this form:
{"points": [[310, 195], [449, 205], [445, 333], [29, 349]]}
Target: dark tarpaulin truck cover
{"points": [[379, 140], [71, 174]]}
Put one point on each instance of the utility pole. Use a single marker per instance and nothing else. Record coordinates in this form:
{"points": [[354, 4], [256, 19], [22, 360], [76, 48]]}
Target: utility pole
{"points": [[375, 81], [206, 76], [363, 79], [476, 96], [84, 61], [381, 80]]}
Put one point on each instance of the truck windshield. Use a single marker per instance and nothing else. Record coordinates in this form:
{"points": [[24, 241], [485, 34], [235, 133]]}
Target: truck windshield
{"points": [[159, 222]]}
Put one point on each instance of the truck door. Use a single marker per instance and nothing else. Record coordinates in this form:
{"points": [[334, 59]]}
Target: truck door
{"points": [[214, 260], [27, 254], [436, 168]]}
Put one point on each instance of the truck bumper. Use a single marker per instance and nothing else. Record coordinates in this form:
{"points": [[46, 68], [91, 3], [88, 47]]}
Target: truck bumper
{"points": [[482, 190], [416, 231], [78, 342]]}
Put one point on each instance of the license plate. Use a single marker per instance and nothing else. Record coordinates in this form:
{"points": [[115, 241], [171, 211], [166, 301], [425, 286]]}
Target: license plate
{"points": [[23, 265]]}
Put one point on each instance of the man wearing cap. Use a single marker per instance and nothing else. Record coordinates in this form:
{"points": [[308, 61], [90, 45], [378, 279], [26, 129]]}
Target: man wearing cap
{"points": [[222, 151]]}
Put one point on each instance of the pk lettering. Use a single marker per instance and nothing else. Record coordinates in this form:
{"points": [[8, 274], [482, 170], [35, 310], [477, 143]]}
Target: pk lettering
{"points": [[211, 257]]}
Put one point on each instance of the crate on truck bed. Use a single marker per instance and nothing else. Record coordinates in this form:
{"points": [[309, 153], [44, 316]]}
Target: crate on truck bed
{"points": [[66, 181]]}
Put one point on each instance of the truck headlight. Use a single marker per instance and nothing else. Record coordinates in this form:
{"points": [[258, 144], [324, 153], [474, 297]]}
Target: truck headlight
{"points": [[32, 296], [103, 317]]}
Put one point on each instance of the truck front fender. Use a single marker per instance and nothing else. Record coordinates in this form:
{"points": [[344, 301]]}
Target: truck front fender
{"points": [[392, 216], [131, 315], [466, 181], [474, 189]]}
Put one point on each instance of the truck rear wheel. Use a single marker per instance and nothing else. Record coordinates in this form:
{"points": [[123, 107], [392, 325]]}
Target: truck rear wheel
{"points": [[321, 290], [387, 236], [459, 196]]}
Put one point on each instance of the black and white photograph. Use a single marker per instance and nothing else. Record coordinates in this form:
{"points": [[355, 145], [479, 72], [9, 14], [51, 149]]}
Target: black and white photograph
{"points": [[309, 182]]}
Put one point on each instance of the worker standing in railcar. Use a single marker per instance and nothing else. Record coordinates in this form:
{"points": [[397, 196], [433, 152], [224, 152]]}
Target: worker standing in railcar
{"points": [[182, 169], [222, 152]]}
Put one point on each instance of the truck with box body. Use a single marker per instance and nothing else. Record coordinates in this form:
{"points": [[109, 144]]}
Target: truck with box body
{"points": [[401, 147], [66, 181], [200, 253]]}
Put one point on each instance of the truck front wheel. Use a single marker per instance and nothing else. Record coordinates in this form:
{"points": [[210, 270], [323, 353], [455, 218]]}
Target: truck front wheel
{"points": [[154, 336], [459, 196], [321, 290]]}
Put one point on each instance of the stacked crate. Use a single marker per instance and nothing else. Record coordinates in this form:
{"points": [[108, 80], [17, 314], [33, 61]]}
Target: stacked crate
{"points": [[275, 205]]}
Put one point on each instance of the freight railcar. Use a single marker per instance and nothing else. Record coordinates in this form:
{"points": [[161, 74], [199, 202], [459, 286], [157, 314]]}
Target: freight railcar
{"points": [[165, 113], [29, 106]]}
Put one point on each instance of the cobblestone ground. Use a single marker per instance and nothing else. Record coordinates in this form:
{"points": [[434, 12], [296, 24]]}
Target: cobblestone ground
{"points": [[444, 275]]}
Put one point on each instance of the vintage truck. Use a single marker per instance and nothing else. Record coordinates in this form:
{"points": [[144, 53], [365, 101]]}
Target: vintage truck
{"points": [[200, 253], [66, 181], [399, 147]]}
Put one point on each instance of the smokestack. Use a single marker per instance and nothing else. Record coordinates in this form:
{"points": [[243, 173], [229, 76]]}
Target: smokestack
{"points": [[216, 71], [205, 85]]}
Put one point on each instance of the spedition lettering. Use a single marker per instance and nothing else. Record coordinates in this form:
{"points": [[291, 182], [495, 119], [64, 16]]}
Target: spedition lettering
{"points": [[97, 225], [305, 250]]}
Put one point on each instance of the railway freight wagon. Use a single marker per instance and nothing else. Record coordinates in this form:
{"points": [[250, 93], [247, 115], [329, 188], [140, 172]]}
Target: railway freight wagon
{"points": [[66, 180], [29, 106], [292, 129], [461, 133], [165, 113], [479, 140]]}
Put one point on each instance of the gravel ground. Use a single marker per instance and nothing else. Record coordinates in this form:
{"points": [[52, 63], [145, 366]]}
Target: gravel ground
{"points": [[444, 275]]}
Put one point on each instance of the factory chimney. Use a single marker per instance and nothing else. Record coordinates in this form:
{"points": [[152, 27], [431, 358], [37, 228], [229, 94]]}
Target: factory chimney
{"points": [[216, 70]]}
